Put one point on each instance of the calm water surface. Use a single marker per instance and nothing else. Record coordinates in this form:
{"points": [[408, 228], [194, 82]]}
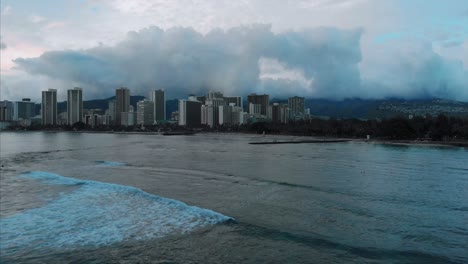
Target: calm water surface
{"points": [[106, 198]]}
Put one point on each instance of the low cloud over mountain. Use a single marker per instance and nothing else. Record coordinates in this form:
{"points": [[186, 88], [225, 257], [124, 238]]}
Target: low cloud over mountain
{"points": [[321, 63]]}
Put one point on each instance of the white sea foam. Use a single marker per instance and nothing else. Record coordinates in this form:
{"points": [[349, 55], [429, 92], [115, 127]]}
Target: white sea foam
{"points": [[97, 214], [110, 163]]}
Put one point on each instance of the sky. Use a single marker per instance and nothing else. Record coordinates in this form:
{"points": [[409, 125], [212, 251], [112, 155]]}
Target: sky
{"points": [[332, 49]]}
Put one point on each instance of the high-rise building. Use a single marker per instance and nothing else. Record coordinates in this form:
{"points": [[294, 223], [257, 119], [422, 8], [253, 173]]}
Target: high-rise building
{"points": [[128, 118], [279, 113], [230, 114], [255, 109], [284, 113], [275, 113], [189, 113], [96, 120], [24, 109], [6, 111], [202, 99], [122, 103], [205, 114], [237, 100], [74, 105], [237, 115], [296, 107], [111, 112], [213, 110], [225, 115], [262, 100], [175, 116], [62, 118], [145, 112], [159, 99], [49, 107], [269, 113], [214, 94]]}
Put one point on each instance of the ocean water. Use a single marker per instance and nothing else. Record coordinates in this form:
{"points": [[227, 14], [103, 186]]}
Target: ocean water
{"points": [[209, 198]]}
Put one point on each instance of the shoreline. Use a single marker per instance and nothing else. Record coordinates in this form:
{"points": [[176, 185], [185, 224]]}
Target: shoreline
{"points": [[284, 139]]}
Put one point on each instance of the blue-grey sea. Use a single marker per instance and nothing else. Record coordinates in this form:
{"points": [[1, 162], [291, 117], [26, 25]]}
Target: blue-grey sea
{"points": [[214, 198]]}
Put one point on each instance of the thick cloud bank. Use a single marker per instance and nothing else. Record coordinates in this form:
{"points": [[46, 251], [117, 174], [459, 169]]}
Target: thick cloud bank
{"points": [[322, 62]]}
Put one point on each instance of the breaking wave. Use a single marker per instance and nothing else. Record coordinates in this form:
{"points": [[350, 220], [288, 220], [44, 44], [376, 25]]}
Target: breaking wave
{"points": [[97, 214]]}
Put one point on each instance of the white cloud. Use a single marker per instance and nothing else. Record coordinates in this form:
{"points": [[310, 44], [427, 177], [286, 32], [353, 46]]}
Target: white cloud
{"points": [[273, 69]]}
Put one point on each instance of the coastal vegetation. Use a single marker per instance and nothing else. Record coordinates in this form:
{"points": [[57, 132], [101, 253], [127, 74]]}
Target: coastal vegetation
{"points": [[440, 128]]}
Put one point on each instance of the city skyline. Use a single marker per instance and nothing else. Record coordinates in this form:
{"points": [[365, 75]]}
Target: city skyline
{"points": [[212, 109]]}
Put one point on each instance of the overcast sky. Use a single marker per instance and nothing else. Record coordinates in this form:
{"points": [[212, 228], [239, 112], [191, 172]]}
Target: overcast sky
{"points": [[314, 48]]}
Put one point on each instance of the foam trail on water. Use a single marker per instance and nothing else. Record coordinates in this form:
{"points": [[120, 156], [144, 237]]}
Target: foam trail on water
{"points": [[110, 163], [97, 214]]}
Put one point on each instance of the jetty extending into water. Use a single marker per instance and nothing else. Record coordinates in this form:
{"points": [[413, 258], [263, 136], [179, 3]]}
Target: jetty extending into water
{"points": [[301, 141], [178, 133]]}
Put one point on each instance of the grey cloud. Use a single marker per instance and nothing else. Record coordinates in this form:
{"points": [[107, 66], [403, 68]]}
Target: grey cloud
{"points": [[419, 73], [184, 61]]}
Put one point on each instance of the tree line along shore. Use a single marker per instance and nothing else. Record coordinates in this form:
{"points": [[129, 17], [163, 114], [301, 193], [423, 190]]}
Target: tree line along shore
{"points": [[425, 129]]}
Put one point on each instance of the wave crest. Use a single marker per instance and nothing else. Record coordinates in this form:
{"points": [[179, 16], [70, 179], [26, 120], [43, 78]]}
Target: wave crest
{"points": [[97, 214]]}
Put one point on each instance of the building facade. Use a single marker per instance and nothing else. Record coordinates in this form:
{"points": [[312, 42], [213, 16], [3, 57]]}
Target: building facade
{"points": [[24, 109], [189, 113], [213, 105], [74, 105], [49, 107], [6, 111], [296, 107], [128, 118], [159, 99], [214, 94], [230, 114], [262, 100], [122, 103], [255, 109], [145, 112], [236, 100], [111, 112], [279, 113]]}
